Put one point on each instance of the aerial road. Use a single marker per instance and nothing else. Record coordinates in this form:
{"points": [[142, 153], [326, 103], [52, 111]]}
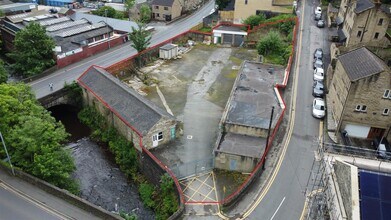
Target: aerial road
{"points": [[70, 73]]}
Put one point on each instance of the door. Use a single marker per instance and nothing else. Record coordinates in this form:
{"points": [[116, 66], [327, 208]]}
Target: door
{"points": [[172, 133], [155, 140], [376, 132], [232, 164], [357, 131]]}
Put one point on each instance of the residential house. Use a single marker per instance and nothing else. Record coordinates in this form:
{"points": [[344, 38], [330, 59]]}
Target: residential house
{"points": [[363, 22], [244, 8], [136, 118], [359, 98], [166, 10], [247, 117]]}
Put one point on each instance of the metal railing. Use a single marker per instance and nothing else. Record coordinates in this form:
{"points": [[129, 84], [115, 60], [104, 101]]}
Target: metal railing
{"points": [[193, 168]]}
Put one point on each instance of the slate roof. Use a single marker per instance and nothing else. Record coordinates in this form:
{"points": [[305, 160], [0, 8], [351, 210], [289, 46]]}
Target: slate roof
{"points": [[136, 110], [361, 63], [116, 24], [363, 5], [163, 2]]}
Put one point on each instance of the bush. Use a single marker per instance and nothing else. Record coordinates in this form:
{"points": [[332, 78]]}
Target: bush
{"points": [[146, 191], [254, 20], [272, 44]]}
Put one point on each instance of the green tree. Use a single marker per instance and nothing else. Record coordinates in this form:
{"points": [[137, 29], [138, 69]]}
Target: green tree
{"points": [[111, 13], [129, 5], [271, 44], [140, 38], [34, 137], [3, 73], [145, 13], [169, 203], [221, 4], [33, 50], [146, 191], [254, 20]]}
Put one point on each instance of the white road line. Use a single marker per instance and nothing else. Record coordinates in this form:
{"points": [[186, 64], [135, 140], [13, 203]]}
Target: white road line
{"points": [[277, 208]]}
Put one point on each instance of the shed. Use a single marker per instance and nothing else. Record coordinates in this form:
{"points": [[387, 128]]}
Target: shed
{"points": [[168, 51]]}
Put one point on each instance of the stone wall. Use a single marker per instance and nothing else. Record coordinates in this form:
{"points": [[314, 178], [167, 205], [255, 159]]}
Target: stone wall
{"points": [[243, 164], [246, 130], [164, 125]]}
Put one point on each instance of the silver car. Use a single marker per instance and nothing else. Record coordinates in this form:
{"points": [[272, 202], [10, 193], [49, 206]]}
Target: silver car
{"points": [[318, 108]]}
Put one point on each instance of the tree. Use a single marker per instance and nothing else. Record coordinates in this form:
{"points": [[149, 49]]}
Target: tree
{"points": [[33, 50], [111, 13], [34, 137], [221, 4], [140, 38], [270, 44], [3, 73], [145, 13], [254, 20], [129, 5]]}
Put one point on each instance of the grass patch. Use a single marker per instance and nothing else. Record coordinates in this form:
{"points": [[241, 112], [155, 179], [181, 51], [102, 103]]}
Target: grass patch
{"points": [[232, 74], [235, 60], [274, 59], [230, 180], [205, 29]]}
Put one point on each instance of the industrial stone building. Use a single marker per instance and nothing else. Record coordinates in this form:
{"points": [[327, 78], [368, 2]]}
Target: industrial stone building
{"points": [[135, 117], [246, 117], [359, 98]]}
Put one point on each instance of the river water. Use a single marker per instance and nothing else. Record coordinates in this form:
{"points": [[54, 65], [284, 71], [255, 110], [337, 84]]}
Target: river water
{"points": [[101, 181]]}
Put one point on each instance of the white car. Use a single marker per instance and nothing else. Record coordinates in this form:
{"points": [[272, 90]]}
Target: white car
{"points": [[318, 108], [319, 74], [318, 10]]}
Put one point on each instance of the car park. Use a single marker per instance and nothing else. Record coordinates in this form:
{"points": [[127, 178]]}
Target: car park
{"points": [[318, 63], [318, 89], [320, 24], [318, 54], [318, 108], [319, 74], [318, 10]]}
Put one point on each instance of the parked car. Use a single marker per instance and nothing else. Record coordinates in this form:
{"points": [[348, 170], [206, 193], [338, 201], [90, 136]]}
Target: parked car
{"points": [[382, 147], [318, 17], [318, 89], [318, 108], [318, 10], [319, 74], [318, 54], [318, 63], [320, 24]]}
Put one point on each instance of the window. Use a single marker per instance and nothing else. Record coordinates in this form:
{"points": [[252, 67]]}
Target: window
{"points": [[166, 8], [359, 34], [386, 93], [380, 21], [245, 2], [160, 136], [360, 108], [386, 111], [157, 15], [156, 6], [376, 35]]}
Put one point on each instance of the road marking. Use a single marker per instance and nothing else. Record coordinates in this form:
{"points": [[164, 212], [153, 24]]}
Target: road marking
{"points": [[277, 209], [34, 201], [290, 127]]}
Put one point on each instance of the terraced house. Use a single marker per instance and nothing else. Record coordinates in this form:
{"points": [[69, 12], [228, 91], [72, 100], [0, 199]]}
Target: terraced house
{"points": [[166, 10]]}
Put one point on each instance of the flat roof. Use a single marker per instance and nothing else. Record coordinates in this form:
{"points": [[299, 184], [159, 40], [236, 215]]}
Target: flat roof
{"points": [[242, 145], [253, 95], [168, 46]]}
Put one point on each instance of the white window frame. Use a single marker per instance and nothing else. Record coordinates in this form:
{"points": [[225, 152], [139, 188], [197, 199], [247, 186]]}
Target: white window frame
{"points": [[160, 136], [358, 108], [361, 108], [386, 111], [386, 94]]}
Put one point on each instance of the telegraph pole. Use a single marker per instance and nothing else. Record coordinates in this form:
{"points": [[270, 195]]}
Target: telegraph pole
{"points": [[6, 152]]}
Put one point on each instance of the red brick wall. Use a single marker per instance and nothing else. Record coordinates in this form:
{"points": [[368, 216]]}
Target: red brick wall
{"points": [[88, 51]]}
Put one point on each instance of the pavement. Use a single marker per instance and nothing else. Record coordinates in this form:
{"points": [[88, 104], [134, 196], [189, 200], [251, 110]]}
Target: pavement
{"points": [[22, 200]]}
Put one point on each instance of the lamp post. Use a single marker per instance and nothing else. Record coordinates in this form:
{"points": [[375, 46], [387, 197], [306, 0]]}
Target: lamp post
{"points": [[6, 152], [107, 26]]}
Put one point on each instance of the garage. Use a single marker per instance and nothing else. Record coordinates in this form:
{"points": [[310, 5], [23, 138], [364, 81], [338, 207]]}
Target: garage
{"points": [[231, 35], [357, 131]]}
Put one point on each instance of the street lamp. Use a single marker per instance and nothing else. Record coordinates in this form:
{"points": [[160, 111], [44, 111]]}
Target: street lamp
{"points": [[6, 152], [107, 26]]}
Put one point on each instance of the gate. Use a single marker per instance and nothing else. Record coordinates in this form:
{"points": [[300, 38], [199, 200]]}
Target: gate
{"points": [[193, 168]]}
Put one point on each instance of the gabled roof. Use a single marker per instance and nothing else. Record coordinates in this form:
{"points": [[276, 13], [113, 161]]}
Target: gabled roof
{"points": [[135, 110], [363, 5], [361, 63], [163, 2]]}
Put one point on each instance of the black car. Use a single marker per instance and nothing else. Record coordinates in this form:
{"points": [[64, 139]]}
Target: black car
{"points": [[318, 54], [318, 89]]}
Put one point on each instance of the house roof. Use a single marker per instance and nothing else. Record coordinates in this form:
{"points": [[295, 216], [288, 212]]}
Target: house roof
{"points": [[363, 5], [163, 2], [386, 8], [136, 110], [116, 24], [242, 145], [361, 63]]}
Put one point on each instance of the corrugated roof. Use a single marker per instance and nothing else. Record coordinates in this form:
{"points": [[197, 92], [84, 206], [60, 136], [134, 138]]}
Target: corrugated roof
{"points": [[139, 112], [19, 17], [163, 2], [363, 5], [116, 24], [361, 63]]}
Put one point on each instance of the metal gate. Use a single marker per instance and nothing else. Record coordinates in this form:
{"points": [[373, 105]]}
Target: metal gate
{"points": [[193, 168]]}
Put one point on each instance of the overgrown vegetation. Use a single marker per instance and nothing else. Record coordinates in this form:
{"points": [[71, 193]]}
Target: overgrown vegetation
{"points": [[145, 13], [75, 92], [161, 199], [254, 20], [3, 72], [221, 4], [110, 12], [33, 50], [34, 138]]}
